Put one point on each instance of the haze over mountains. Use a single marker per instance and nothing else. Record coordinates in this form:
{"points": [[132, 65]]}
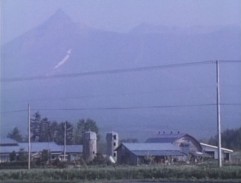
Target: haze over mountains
{"points": [[61, 46]]}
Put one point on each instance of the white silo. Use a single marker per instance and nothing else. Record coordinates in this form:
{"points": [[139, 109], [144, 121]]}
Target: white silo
{"points": [[112, 140], [89, 146]]}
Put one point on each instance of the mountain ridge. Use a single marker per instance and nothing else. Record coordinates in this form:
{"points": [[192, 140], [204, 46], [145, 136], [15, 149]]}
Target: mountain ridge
{"points": [[37, 52]]}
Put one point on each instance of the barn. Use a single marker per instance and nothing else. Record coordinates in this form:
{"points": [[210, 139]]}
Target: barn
{"points": [[144, 153], [187, 143]]}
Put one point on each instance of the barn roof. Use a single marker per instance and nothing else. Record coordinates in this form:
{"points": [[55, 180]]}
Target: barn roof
{"points": [[9, 149], [7, 141], [40, 146], [153, 149], [216, 147], [150, 146], [172, 137], [165, 138]]}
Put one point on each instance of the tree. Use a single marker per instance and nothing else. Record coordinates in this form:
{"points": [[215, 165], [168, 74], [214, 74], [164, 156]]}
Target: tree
{"points": [[45, 154], [65, 127], [22, 155], [13, 156], [15, 135], [230, 139], [53, 131], [84, 126], [44, 128], [35, 127]]}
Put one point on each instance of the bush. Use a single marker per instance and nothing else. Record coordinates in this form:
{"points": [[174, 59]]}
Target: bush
{"points": [[124, 172]]}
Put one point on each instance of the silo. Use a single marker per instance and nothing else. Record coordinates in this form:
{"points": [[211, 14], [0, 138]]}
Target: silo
{"points": [[112, 140], [89, 146]]}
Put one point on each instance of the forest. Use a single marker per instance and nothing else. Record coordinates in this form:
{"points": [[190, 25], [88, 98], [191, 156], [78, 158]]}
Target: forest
{"points": [[44, 130]]}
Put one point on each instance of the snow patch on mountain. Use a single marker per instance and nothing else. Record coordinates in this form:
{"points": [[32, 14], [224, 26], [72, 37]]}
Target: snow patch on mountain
{"points": [[64, 60]]}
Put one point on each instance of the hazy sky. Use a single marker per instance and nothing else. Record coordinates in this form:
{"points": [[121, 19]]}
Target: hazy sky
{"points": [[18, 16]]}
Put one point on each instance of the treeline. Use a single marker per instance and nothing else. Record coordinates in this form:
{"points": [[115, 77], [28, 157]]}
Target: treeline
{"points": [[231, 138], [44, 130]]}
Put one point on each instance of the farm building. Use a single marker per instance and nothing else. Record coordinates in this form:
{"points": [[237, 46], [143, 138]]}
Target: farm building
{"points": [[213, 152], [185, 142], [168, 148], [138, 153], [7, 146]]}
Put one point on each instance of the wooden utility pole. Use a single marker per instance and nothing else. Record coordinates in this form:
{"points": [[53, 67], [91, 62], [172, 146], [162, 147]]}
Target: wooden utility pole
{"points": [[218, 116], [65, 140], [29, 139]]}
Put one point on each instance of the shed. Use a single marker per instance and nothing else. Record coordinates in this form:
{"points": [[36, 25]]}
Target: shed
{"points": [[212, 151]]}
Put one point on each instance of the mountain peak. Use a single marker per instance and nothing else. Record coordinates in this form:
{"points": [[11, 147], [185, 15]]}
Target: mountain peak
{"points": [[60, 13], [59, 16]]}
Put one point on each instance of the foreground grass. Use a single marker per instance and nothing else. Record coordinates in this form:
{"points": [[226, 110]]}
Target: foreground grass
{"points": [[190, 173]]}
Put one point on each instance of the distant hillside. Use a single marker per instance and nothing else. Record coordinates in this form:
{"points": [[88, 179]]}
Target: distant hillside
{"points": [[60, 46]]}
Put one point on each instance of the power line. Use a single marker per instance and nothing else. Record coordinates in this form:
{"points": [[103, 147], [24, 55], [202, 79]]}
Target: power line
{"points": [[114, 71], [103, 72], [14, 111], [124, 108]]}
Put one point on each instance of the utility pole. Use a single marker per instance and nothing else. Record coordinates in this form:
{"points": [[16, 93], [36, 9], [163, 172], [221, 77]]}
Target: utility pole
{"points": [[29, 139], [218, 116], [64, 141]]}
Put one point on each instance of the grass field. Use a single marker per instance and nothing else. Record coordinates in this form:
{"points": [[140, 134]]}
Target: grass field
{"points": [[111, 173]]}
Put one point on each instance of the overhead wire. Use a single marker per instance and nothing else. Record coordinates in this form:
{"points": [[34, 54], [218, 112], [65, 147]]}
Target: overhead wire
{"points": [[124, 108], [114, 71], [103, 72]]}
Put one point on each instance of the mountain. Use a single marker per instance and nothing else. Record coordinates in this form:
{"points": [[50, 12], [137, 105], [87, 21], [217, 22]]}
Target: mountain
{"points": [[60, 46], [146, 28]]}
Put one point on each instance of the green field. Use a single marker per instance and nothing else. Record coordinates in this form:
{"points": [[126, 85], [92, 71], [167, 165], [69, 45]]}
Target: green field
{"points": [[121, 173]]}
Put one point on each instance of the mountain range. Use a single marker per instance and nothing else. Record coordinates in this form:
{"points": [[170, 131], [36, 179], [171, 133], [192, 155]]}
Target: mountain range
{"points": [[60, 46]]}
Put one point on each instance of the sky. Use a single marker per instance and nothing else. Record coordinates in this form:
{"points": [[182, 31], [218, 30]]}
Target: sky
{"points": [[19, 16]]}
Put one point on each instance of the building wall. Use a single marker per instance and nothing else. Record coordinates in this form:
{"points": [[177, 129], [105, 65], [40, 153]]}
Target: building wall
{"points": [[124, 156], [214, 153], [112, 140], [89, 146]]}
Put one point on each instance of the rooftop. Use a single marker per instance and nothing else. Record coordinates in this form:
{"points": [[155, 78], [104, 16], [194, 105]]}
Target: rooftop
{"points": [[154, 149], [165, 138]]}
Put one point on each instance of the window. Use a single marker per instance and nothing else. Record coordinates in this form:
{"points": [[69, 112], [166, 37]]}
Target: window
{"points": [[114, 137], [114, 144]]}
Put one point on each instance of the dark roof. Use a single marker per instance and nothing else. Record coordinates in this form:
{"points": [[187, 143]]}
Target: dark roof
{"points": [[7, 141], [165, 138]]}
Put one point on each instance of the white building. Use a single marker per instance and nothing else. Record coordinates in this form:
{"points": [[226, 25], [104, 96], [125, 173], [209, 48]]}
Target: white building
{"points": [[213, 151]]}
